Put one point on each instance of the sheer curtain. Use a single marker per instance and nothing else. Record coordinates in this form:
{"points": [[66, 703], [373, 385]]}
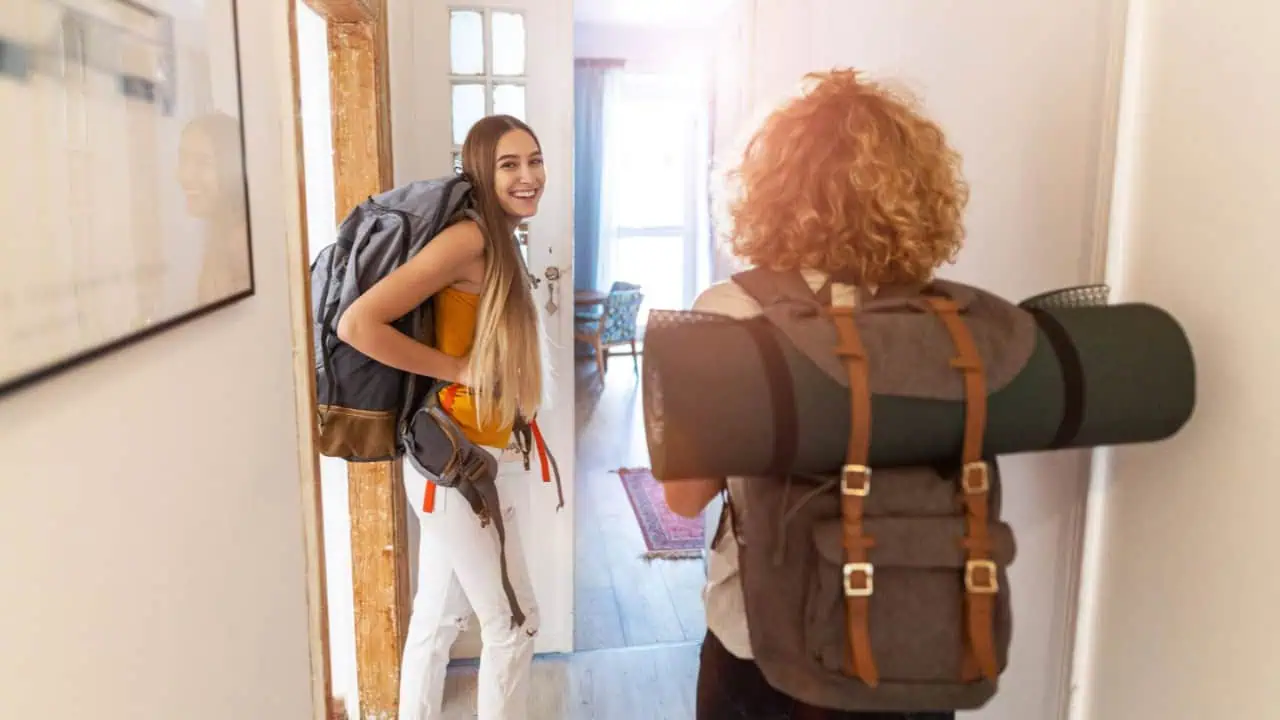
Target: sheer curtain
{"points": [[611, 165], [650, 189], [593, 79]]}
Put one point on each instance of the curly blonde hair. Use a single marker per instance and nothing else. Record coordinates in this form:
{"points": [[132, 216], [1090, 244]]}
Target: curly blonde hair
{"points": [[848, 178]]}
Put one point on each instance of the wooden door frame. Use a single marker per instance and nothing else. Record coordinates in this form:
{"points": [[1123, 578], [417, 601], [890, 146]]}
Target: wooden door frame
{"points": [[362, 163]]}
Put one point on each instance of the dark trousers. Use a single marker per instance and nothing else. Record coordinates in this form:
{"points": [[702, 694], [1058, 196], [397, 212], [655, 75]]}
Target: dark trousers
{"points": [[730, 688]]}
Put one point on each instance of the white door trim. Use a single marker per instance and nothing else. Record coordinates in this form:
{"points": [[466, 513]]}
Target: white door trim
{"points": [[1090, 523]]}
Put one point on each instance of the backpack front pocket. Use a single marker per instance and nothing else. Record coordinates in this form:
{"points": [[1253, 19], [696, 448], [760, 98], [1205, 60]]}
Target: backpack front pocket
{"points": [[916, 608]]}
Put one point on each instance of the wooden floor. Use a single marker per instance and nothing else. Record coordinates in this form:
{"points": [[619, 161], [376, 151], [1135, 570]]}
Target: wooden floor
{"points": [[654, 683], [638, 624], [621, 599]]}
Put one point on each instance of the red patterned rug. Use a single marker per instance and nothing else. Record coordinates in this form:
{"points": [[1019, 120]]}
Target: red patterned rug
{"points": [[667, 535]]}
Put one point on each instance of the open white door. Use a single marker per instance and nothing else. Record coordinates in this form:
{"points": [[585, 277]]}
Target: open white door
{"points": [[451, 64]]}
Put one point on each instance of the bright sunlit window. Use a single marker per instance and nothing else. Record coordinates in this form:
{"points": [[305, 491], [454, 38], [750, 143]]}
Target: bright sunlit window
{"points": [[652, 188]]}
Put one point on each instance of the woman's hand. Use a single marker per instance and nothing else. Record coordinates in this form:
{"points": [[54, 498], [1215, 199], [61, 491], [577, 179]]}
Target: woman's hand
{"points": [[462, 374], [688, 497]]}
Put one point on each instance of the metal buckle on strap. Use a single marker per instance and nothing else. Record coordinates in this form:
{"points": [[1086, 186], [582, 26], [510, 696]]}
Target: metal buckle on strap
{"points": [[975, 478], [863, 488], [868, 575], [971, 583]]}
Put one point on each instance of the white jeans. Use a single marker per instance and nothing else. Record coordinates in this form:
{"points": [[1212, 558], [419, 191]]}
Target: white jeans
{"points": [[458, 571]]}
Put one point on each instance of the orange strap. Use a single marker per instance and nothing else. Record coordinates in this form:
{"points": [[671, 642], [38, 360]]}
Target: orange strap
{"points": [[981, 578], [542, 450], [855, 485]]}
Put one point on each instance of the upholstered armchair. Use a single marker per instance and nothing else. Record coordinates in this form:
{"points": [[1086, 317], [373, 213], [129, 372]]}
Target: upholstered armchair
{"points": [[613, 325]]}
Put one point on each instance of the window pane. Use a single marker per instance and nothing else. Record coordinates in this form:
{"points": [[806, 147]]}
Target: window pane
{"points": [[655, 263], [508, 43], [457, 163], [652, 136], [509, 100], [466, 42], [468, 108]]}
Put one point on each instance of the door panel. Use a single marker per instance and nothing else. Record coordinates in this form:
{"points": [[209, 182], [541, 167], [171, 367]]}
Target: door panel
{"points": [[422, 128]]}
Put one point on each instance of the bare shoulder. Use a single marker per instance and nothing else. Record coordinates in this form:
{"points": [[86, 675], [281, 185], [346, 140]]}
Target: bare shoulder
{"points": [[726, 298], [463, 237]]}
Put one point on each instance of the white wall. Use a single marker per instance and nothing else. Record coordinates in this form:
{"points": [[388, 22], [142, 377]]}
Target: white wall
{"points": [[151, 514], [1186, 622], [645, 49], [1024, 91]]}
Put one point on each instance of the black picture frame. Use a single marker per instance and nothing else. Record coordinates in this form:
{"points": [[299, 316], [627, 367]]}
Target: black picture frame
{"points": [[20, 63]]}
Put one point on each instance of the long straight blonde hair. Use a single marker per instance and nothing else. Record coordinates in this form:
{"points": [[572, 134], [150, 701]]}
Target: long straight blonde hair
{"points": [[506, 357]]}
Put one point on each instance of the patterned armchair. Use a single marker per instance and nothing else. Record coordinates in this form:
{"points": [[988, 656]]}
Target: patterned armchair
{"points": [[614, 325]]}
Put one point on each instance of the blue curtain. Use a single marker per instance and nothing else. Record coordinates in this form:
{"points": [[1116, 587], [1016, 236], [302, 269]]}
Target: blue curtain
{"points": [[588, 165]]}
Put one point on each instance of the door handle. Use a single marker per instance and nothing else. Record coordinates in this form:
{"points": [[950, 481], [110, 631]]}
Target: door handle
{"points": [[552, 274]]}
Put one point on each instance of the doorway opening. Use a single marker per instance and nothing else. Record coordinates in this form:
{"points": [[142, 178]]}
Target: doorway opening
{"points": [[642, 241]]}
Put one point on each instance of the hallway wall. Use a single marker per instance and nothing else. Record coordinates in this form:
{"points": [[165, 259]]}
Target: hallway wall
{"points": [[1186, 622], [151, 515]]}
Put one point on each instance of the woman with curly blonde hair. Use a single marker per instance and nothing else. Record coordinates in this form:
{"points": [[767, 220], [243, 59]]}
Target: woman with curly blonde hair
{"points": [[847, 182]]}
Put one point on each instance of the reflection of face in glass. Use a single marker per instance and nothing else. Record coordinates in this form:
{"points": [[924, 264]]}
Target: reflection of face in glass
{"points": [[198, 174], [211, 177], [209, 168]]}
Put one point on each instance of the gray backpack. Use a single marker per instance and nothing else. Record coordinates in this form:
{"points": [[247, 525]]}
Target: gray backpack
{"points": [[362, 402], [884, 590]]}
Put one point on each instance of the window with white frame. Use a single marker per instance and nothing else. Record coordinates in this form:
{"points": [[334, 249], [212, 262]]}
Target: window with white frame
{"points": [[487, 68], [487, 73], [653, 200]]}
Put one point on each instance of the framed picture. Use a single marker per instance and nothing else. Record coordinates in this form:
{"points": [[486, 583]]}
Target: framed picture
{"points": [[125, 208]]}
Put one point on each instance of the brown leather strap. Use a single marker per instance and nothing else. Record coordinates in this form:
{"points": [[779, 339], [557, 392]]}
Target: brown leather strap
{"points": [[855, 484], [980, 573]]}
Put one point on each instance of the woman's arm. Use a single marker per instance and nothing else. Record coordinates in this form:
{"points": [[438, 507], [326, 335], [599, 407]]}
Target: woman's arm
{"points": [[689, 497], [366, 325]]}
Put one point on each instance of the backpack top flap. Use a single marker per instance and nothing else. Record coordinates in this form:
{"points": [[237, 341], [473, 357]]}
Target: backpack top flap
{"points": [[378, 236], [429, 206], [908, 350]]}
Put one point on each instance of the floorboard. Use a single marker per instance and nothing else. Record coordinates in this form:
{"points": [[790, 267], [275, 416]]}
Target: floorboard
{"points": [[641, 683], [622, 599]]}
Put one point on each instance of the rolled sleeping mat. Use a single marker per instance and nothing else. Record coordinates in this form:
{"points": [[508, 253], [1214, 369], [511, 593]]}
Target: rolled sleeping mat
{"points": [[1096, 375]]}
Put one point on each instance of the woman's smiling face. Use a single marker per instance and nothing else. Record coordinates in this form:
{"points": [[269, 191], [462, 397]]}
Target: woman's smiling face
{"points": [[519, 176]]}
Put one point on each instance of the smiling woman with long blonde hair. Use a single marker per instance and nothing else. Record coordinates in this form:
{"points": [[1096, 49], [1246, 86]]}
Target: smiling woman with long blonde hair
{"points": [[488, 347]]}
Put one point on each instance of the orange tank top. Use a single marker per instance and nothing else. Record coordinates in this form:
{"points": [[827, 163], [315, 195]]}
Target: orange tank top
{"points": [[455, 324]]}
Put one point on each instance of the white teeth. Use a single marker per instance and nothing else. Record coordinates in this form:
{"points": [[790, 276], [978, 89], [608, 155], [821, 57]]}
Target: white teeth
{"points": [[526, 194]]}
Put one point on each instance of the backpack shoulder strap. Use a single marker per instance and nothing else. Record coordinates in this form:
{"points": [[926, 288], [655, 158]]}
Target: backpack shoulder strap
{"points": [[769, 287], [797, 311]]}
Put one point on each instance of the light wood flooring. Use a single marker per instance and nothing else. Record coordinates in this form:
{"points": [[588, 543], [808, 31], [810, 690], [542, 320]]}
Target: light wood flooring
{"points": [[621, 599], [654, 683], [639, 624]]}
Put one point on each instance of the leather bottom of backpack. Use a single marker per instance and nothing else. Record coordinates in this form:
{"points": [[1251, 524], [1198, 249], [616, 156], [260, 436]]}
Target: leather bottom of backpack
{"points": [[356, 435]]}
